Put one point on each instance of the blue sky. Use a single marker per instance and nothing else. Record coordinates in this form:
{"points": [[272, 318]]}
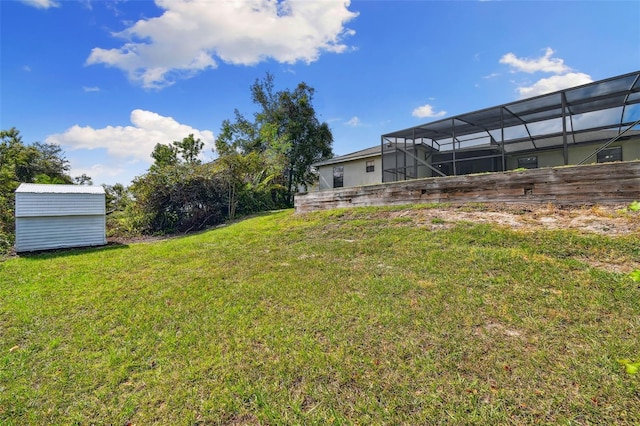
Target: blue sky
{"points": [[107, 80]]}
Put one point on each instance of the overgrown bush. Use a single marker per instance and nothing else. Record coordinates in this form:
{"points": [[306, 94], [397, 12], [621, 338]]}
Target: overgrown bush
{"points": [[124, 224], [254, 200], [178, 198]]}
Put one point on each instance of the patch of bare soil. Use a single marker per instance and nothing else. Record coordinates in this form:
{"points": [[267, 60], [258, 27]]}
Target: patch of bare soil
{"points": [[604, 220]]}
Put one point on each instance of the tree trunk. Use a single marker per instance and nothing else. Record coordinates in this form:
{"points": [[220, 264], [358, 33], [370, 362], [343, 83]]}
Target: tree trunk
{"points": [[289, 188]]}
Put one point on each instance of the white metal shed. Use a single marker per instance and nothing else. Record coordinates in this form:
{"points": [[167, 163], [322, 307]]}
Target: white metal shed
{"points": [[59, 216]]}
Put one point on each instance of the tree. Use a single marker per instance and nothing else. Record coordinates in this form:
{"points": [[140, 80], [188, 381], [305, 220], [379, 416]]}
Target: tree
{"points": [[164, 155], [11, 155], [83, 179], [178, 152], [250, 183], [117, 197], [48, 180], [310, 141], [23, 163], [241, 136], [50, 161], [189, 149], [35, 163], [286, 130]]}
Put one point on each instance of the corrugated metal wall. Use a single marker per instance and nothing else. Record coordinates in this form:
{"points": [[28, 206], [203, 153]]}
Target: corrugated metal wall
{"points": [[44, 233], [44, 204], [59, 220]]}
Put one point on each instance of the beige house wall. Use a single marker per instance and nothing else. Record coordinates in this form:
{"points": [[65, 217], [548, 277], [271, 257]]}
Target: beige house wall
{"points": [[355, 173], [554, 158]]}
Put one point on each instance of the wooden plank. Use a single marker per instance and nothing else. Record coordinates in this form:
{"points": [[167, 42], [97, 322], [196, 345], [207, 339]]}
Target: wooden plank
{"points": [[601, 183]]}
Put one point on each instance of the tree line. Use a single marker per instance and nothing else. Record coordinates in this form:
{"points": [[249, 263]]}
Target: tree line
{"points": [[261, 162], [34, 163]]}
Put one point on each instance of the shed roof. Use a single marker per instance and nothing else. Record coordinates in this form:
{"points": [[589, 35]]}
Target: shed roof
{"points": [[40, 188]]}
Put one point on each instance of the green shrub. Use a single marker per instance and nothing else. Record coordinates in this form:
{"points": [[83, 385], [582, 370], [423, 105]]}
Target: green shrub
{"points": [[6, 242], [178, 198]]}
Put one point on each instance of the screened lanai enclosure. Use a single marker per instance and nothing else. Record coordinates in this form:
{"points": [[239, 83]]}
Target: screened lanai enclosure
{"points": [[596, 122]]}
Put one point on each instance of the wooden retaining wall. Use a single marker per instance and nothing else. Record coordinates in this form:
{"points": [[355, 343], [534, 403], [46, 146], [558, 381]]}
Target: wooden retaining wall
{"points": [[609, 183]]}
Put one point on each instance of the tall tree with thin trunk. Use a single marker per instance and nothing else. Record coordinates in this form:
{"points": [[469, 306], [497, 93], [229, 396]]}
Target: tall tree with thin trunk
{"points": [[286, 129]]}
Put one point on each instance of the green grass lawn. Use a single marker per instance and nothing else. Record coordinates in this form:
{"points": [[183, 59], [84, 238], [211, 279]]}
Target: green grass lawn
{"points": [[339, 317]]}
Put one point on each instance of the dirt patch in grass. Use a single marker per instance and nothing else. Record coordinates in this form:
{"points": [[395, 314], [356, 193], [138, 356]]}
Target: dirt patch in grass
{"points": [[613, 220], [604, 220]]}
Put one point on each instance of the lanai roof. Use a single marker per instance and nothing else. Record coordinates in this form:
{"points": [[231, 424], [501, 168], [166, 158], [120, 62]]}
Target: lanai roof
{"points": [[605, 104]]}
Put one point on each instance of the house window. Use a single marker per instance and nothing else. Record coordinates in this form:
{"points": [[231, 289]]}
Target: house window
{"points": [[338, 176], [610, 154], [528, 162], [370, 166]]}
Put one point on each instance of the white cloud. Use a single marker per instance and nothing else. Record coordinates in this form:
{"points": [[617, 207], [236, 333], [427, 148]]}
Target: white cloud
{"points": [[426, 111], [564, 76], [125, 145], [354, 122], [553, 84], [41, 4], [193, 35], [91, 89], [544, 63], [103, 173], [26, 68]]}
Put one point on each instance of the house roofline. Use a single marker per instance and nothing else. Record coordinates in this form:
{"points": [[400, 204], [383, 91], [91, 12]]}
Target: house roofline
{"points": [[374, 151], [346, 157]]}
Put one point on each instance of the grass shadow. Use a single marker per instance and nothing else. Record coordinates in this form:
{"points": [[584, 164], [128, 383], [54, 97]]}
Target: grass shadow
{"points": [[70, 251]]}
